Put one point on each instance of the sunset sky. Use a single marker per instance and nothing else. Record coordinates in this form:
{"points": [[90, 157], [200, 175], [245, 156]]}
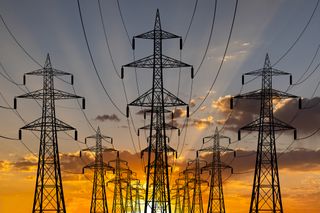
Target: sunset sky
{"points": [[279, 27]]}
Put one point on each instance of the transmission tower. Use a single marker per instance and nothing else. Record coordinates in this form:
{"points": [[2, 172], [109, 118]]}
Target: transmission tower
{"points": [[137, 197], [99, 197], [120, 182], [184, 183], [157, 197], [215, 168], [266, 195], [129, 203], [176, 196], [194, 167], [48, 196]]}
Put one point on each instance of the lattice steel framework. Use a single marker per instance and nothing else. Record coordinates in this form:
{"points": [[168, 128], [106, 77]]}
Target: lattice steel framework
{"points": [[48, 196], [157, 197], [120, 181], [176, 197], [266, 195], [215, 167], [194, 167], [99, 196], [137, 197], [183, 182]]}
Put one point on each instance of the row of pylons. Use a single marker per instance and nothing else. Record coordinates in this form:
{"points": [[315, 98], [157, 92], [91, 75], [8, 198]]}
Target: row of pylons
{"points": [[157, 194]]}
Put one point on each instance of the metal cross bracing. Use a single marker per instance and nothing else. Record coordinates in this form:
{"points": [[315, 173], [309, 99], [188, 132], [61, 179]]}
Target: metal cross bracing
{"points": [[131, 192], [184, 184], [99, 196], [215, 167], [194, 167], [176, 196], [120, 182], [266, 194], [157, 99], [48, 196], [136, 194]]}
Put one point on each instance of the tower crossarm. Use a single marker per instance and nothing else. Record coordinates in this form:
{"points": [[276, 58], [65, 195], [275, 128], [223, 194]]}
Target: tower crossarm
{"points": [[45, 71], [275, 94], [57, 94], [214, 137], [94, 149], [215, 149], [36, 125], [278, 125], [100, 166], [272, 71], [154, 127], [154, 149], [153, 33], [148, 62], [213, 165], [105, 138], [170, 100]]}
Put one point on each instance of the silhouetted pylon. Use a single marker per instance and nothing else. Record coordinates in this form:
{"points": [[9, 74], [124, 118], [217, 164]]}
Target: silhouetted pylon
{"points": [[99, 196], [215, 167], [194, 166], [266, 195], [120, 182], [157, 197], [48, 196]]}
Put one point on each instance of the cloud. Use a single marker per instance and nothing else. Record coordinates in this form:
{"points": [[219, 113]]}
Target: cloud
{"points": [[192, 103], [106, 117], [179, 113], [243, 112], [5, 165], [298, 160], [305, 120], [202, 123]]}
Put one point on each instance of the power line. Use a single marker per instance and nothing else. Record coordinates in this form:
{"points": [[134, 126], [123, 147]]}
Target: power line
{"points": [[209, 40], [311, 62], [9, 138], [117, 73], [191, 21], [17, 42], [123, 23], [93, 63], [222, 61], [299, 36], [19, 85]]}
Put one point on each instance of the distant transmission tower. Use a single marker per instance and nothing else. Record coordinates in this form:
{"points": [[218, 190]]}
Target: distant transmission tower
{"points": [[266, 196], [99, 197], [137, 197], [184, 182], [215, 168], [48, 196], [120, 182], [157, 197], [194, 167]]}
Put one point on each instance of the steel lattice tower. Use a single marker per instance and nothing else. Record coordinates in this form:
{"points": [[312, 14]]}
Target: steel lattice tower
{"points": [[48, 196], [176, 196], [99, 197], [137, 197], [157, 197], [184, 183], [120, 182], [194, 167], [129, 204], [266, 195], [215, 167]]}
